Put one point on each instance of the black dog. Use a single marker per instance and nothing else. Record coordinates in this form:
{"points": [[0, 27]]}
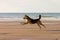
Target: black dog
{"points": [[33, 21]]}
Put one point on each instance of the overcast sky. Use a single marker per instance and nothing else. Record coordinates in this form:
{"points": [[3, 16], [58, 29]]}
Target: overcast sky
{"points": [[30, 6]]}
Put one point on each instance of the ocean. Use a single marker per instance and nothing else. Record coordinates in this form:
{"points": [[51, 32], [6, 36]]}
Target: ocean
{"points": [[19, 16]]}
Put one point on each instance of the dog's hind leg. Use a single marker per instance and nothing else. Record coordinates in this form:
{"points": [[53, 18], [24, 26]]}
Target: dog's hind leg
{"points": [[42, 24], [39, 25]]}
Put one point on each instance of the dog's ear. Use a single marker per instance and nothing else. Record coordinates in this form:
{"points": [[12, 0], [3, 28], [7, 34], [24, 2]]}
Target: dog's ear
{"points": [[25, 15]]}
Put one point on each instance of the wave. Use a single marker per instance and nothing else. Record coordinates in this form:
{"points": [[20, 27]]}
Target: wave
{"points": [[10, 19], [50, 18], [21, 19]]}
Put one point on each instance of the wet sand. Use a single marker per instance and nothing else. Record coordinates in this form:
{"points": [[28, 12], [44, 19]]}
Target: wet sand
{"points": [[13, 30]]}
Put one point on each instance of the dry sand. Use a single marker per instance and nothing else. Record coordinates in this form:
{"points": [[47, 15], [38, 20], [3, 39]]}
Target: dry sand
{"points": [[10, 30]]}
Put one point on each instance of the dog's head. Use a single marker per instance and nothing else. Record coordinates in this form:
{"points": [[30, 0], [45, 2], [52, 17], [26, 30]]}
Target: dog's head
{"points": [[26, 17]]}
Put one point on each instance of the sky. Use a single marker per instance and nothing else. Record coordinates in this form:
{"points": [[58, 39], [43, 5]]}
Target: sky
{"points": [[27, 6]]}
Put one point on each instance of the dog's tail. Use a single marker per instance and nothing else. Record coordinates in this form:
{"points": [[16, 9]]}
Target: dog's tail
{"points": [[39, 16]]}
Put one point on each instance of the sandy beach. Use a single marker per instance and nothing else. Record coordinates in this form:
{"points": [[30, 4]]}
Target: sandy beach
{"points": [[13, 30]]}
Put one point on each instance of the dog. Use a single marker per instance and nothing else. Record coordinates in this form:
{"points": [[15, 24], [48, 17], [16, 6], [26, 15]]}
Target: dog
{"points": [[33, 21]]}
